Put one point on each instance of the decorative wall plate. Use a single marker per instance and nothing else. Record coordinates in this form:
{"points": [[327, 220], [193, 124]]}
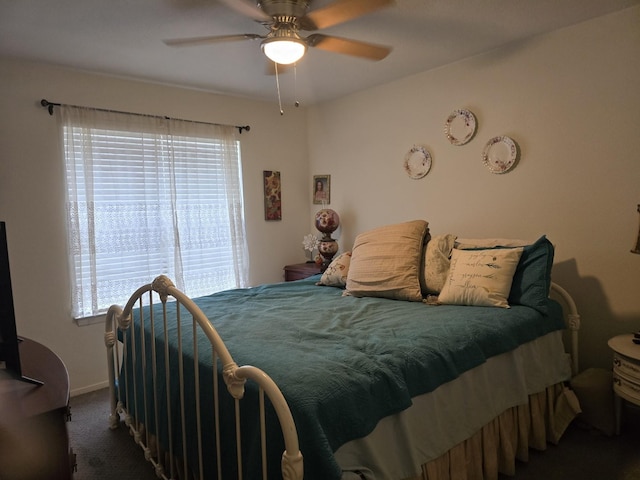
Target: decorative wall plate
{"points": [[417, 162], [500, 154], [460, 127]]}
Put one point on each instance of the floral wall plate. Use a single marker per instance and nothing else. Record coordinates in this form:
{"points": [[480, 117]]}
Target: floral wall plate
{"points": [[417, 162], [500, 154], [460, 127]]}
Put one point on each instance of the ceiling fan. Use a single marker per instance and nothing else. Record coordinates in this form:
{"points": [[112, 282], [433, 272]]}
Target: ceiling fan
{"points": [[284, 19]]}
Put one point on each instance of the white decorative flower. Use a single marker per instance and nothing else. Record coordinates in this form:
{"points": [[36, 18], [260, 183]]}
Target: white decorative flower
{"points": [[310, 242]]}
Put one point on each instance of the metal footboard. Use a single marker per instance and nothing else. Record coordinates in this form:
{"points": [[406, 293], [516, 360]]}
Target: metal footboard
{"points": [[141, 413]]}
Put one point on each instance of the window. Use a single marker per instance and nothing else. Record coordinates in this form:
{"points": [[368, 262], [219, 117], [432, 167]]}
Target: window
{"points": [[149, 196]]}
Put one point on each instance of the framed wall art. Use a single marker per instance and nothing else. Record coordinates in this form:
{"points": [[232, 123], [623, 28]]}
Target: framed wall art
{"points": [[322, 189], [272, 195]]}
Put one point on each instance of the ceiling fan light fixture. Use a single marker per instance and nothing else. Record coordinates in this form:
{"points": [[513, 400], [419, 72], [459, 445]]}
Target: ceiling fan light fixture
{"points": [[284, 50]]}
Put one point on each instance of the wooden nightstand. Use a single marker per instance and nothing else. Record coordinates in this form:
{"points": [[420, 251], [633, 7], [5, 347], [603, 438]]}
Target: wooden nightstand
{"points": [[626, 373], [300, 271]]}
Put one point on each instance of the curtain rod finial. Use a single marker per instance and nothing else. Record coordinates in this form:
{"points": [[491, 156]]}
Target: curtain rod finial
{"points": [[48, 105]]}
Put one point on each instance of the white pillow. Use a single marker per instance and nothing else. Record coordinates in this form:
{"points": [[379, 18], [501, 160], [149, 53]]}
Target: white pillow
{"points": [[480, 277], [437, 254], [473, 243]]}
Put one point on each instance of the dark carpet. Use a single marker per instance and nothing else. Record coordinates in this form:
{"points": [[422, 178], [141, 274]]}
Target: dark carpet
{"points": [[586, 454], [583, 454], [102, 453]]}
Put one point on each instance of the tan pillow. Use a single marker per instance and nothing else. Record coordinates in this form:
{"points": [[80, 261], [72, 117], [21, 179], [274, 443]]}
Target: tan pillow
{"points": [[437, 254], [386, 262], [336, 273], [480, 277]]}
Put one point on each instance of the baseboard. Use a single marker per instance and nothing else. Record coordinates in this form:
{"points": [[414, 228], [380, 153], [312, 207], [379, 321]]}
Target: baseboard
{"points": [[89, 388]]}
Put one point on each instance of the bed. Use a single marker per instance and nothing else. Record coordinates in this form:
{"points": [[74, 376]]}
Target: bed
{"points": [[412, 356]]}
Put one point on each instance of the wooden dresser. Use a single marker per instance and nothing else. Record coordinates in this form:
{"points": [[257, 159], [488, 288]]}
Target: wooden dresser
{"points": [[300, 271], [34, 442]]}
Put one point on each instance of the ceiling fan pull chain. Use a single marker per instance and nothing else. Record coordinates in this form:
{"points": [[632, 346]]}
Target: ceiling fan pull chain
{"points": [[278, 87], [295, 84]]}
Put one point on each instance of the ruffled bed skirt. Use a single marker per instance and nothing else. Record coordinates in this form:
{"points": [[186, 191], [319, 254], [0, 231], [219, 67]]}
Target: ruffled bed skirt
{"points": [[493, 449], [507, 438]]}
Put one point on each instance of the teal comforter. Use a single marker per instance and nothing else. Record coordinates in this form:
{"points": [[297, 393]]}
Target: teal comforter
{"points": [[343, 363]]}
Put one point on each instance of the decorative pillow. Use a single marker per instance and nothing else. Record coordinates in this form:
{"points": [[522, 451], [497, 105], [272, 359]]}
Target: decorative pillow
{"points": [[336, 273], [480, 277], [476, 243], [386, 262], [532, 279], [437, 254]]}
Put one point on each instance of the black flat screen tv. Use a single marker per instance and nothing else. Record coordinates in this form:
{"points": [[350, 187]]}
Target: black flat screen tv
{"points": [[9, 340]]}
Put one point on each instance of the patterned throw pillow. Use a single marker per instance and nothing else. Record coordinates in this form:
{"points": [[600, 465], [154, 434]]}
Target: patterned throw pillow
{"points": [[480, 277], [336, 273], [532, 279]]}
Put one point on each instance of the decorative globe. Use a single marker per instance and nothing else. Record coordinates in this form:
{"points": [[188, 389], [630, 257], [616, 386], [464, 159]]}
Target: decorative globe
{"points": [[327, 221]]}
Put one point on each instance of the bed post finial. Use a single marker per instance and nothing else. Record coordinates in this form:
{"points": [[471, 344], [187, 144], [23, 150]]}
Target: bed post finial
{"points": [[235, 385], [292, 466], [161, 284]]}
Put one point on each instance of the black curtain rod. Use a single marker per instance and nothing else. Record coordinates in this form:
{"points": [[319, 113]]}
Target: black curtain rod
{"points": [[49, 106]]}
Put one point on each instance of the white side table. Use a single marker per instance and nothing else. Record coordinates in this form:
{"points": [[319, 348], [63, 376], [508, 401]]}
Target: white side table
{"points": [[626, 373]]}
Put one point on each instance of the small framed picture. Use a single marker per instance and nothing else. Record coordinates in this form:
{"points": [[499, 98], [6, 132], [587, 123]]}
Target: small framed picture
{"points": [[321, 189], [272, 195]]}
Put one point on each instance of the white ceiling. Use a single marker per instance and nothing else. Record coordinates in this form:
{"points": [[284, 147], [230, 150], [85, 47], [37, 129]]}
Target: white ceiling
{"points": [[124, 38]]}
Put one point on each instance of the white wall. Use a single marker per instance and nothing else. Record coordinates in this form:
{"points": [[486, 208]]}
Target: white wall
{"points": [[32, 191], [571, 100]]}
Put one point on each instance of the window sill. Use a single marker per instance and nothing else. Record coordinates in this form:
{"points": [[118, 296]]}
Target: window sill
{"points": [[85, 321]]}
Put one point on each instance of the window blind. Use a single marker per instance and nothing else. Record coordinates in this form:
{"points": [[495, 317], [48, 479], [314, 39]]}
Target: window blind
{"points": [[149, 198]]}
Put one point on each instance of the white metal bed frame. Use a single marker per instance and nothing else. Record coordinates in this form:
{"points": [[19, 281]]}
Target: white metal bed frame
{"points": [[234, 377], [572, 321]]}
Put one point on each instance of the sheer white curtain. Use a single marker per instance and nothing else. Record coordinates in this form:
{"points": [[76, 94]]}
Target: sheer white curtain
{"points": [[148, 196]]}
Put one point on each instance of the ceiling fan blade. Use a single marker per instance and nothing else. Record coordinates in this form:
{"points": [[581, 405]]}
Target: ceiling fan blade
{"points": [[193, 41], [248, 9], [346, 46], [340, 11]]}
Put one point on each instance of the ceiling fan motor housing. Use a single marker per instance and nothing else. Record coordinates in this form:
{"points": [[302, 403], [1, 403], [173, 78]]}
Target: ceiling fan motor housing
{"points": [[275, 8], [284, 27]]}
